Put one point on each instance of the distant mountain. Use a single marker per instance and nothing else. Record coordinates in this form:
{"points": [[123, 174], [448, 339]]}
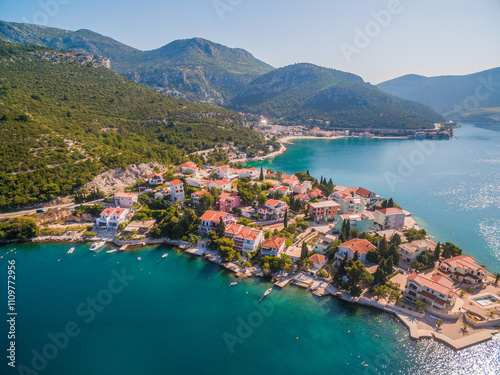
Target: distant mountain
{"points": [[458, 97], [302, 91], [193, 69], [65, 117]]}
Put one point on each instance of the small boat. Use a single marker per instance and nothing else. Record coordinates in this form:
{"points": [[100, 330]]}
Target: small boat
{"points": [[164, 255], [111, 251], [139, 258], [233, 283], [97, 245], [70, 251], [266, 293]]}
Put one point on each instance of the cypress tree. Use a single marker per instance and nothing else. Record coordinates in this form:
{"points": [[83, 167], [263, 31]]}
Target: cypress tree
{"points": [[261, 177], [285, 220], [437, 251], [304, 251], [221, 229]]}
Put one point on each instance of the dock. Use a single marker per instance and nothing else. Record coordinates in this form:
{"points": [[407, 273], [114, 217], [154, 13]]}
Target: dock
{"points": [[123, 248]]}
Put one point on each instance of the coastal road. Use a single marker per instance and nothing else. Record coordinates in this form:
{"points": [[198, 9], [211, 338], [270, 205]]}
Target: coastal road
{"points": [[33, 211]]}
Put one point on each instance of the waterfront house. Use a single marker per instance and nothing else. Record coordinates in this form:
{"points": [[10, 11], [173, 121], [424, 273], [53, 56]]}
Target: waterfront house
{"points": [[223, 184], [155, 179], [273, 246], [210, 219], [125, 200], [294, 252], [318, 260], [195, 197], [189, 167], [111, 218], [323, 211], [390, 218], [324, 242], [463, 268], [140, 227], [362, 222], [228, 201], [436, 291], [349, 248], [411, 250], [176, 191], [246, 240], [370, 197]]}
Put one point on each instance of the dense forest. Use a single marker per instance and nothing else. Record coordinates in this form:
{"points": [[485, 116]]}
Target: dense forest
{"points": [[65, 118]]}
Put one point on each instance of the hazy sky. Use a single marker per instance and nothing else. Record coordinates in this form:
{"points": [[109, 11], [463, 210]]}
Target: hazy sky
{"points": [[377, 40]]}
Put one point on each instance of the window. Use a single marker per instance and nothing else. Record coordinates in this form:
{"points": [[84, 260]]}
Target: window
{"points": [[413, 286]]}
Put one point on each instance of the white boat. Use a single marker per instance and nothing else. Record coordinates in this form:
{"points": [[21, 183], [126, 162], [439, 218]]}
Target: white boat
{"points": [[233, 283], [164, 255], [111, 251], [266, 293], [97, 245], [70, 251]]}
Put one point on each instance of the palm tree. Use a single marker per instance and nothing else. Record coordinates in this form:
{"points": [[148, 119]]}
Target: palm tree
{"points": [[470, 289], [380, 292], [396, 295], [420, 306], [492, 313], [497, 277], [440, 323], [462, 293], [464, 326]]}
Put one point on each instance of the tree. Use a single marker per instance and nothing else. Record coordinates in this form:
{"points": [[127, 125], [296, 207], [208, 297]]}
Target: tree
{"points": [[396, 239], [450, 250], [437, 251], [221, 229], [285, 220], [420, 306], [462, 293], [322, 273], [394, 254], [440, 323], [497, 277], [304, 253], [381, 292], [261, 177], [396, 295], [383, 247], [356, 256]]}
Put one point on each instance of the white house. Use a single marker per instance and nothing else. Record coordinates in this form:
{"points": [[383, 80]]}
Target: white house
{"points": [[273, 246], [223, 184], [411, 250], [111, 218], [245, 239], [189, 167], [177, 191], [251, 173], [224, 171], [126, 200], [390, 218], [210, 219], [155, 179]]}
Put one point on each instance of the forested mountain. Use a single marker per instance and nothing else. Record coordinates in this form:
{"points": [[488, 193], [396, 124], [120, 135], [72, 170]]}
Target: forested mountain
{"points": [[302, 91], [193, 69], [66, 117], [473, 96]]}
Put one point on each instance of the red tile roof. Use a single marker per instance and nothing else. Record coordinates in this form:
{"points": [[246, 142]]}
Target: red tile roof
{"points": [[317, 258], [464, 262], [438, 283], [390, 211], [274, 243], [213, 216], [363, 192], [361, 246], [155, 175], [176, 182]]}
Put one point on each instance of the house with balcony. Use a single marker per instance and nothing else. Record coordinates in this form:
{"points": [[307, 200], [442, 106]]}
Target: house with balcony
{"points": [[274, 246], [155, 179], [356, 245], [223, 184], [370, 197], [228, 201], [210, 219], [435, 291], [324, 242], [176, 191], [362, 221], [250, 173], [410, 251], [224, 171], [125, 200], [463, 268], [273, 209], [246, 240], [390, 218], [111, 218], [323, 211]]}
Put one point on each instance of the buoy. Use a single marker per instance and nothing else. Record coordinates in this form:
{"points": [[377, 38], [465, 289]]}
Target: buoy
{"points": [[349, 331], [297, 338]]}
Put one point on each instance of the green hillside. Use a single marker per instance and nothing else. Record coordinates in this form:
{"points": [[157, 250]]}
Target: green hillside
{"points": [[457, 97], [302, 91], [66, 118]]}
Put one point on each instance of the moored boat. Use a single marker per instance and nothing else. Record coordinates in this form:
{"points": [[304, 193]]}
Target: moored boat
{"points": [[266, 293], [70, 251], [164, 255], [97, 245]]}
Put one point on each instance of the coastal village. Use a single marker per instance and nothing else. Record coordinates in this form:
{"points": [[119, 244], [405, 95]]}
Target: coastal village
{"points": [[348, 242]]}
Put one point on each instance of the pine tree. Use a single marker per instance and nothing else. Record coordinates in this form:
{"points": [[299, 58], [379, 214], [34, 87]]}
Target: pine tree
{"points": [[383, 247], [221, 229], [391, 203], [307, 172], [355, 257], [304, 251], [389, 268], [437, 251]]}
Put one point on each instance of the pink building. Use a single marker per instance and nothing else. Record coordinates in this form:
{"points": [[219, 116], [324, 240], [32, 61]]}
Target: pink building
{"points": [[228, 201]]}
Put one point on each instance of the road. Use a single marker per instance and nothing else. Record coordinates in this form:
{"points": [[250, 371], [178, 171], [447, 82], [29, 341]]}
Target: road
{"points": [[33, 211]]}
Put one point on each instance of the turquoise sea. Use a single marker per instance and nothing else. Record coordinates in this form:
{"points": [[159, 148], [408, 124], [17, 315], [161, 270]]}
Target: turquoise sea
{"points": [[179, 315]]}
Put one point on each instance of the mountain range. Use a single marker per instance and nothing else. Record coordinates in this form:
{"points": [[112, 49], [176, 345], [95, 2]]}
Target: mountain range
{"points": [[473, 97], [205, 72]]}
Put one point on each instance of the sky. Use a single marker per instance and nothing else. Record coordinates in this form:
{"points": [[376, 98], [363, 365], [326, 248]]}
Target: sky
{"points": [[376, 39]]}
